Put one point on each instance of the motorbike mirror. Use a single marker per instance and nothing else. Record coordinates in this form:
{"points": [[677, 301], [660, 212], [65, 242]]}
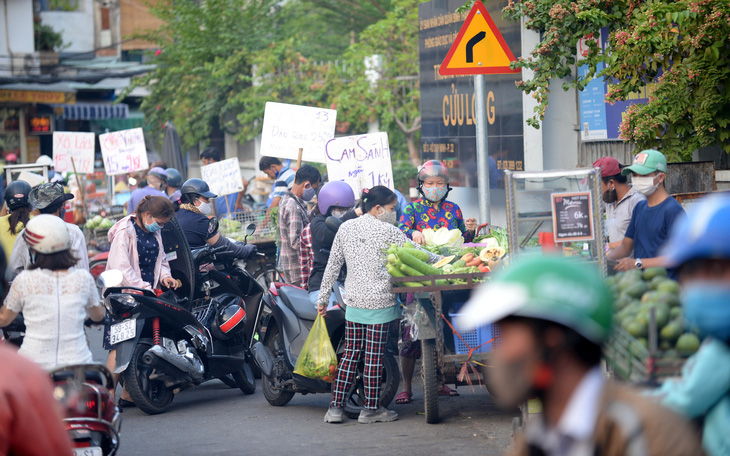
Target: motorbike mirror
{"points": [[250, 229], [110, 278], [333, 223]]}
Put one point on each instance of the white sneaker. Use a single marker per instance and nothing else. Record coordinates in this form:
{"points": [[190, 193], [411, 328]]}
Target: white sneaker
{"points": [[334, 415], [381, 415]]}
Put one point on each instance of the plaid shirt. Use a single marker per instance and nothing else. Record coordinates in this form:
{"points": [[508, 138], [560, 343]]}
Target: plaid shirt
{"points": [[293, 217], [306, 256]]}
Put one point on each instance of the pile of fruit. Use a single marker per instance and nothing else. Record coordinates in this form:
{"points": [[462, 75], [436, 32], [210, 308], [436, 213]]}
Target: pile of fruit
{"points": [[408, 261], [99, 223], [637, 293]]}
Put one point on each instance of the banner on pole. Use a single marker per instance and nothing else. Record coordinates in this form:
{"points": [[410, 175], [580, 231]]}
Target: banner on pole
{"points": [[288, 128], [78, 146], [362, 161], [223, 177], [123, 151]]}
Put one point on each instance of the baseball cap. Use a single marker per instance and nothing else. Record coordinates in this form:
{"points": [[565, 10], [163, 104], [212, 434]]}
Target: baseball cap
{"points": [[609, 166], [646, 162], [48, 194]]}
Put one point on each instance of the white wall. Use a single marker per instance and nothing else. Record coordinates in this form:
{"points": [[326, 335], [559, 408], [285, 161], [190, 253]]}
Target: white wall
{"points": [[76, 27], [16, 28], [560, 137]]}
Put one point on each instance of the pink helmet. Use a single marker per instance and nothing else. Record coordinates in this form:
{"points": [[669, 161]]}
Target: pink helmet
{"points": [[335, 194], [433, 168]]}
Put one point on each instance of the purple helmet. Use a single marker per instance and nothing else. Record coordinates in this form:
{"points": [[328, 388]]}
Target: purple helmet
{"points": [[335, 193]]}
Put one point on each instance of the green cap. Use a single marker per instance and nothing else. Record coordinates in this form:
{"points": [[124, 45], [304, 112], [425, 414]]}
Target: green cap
{"points": [[549, 288], [646, 162]]}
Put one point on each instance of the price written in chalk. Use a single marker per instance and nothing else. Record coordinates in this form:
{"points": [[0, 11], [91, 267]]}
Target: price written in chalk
{"points": [[362, 161], [123, 151], [73, 149]]}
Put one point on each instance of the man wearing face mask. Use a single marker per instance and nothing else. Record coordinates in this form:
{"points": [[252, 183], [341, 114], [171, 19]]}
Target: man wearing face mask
{"points": [[50, 199], [652, 219], [293, 217], [620, 199], [192, 215], [554, 316], [699, 249]]}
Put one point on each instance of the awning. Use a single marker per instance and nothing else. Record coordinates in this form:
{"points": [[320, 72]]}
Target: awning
{"points": [[92, 111]]}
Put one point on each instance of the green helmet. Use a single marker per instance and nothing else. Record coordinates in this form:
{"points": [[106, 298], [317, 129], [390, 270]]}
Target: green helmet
{"points": [[546, 288]]}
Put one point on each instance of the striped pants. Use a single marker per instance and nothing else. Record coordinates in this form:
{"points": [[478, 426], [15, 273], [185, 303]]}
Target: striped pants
{"points": [[360, 338]]}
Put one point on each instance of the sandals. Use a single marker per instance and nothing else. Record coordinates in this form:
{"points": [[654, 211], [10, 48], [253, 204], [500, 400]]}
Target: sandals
{"points": [[404, 398], [448, 392]]}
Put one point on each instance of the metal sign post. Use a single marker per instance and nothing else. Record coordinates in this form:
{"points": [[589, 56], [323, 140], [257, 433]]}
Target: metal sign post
{"points": [[480, 99]]}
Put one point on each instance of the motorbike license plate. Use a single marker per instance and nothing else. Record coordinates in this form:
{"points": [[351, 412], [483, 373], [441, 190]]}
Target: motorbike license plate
{"points": [[123, 331], [89, 451]]}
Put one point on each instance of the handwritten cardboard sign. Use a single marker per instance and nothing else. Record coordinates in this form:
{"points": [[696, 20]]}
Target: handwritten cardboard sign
{"points": [[223, 177], [287, 128], [123, 151], [68, 145], [572, 220], [362, 161]]}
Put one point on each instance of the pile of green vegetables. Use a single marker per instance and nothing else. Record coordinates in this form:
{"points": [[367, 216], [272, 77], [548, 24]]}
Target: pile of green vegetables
{"points": [[408, 261]]}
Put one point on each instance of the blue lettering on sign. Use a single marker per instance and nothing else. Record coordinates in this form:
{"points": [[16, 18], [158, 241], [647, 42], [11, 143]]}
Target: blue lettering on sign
{"points": [[355, 173]]}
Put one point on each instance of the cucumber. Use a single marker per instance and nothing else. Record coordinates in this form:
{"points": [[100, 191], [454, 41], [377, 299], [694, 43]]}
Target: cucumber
{"points": [[420, 255], [394, 271], [410, 260], [408, 245], [392, 259], [409, 271], [412, 284], [459, 264]]}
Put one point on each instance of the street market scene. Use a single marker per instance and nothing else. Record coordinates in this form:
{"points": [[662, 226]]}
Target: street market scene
{"points": [[365, 227]]}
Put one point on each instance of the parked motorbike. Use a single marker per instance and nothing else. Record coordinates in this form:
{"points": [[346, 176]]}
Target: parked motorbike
{"points": [[284, 332], [91, 418], [173, 341]]}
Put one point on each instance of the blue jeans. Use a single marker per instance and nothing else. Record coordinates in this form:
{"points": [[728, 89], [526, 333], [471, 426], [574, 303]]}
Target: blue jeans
{"points": [[314, 297]]}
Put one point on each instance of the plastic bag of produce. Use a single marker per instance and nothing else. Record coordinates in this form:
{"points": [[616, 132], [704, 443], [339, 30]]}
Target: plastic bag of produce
{"points": [[318, 359]]}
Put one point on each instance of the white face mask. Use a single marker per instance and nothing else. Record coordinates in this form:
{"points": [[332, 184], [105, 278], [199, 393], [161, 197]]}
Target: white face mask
{"points": [[388, 217], [644, 184], [204, 207], [339, 214]]}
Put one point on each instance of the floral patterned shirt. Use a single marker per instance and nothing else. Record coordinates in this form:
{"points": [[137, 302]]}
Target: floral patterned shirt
{"points": [[360, 244], [422, 214]]}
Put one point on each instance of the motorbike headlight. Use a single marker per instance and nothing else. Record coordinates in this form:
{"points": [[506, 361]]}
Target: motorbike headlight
{"points": [[119, 303]]}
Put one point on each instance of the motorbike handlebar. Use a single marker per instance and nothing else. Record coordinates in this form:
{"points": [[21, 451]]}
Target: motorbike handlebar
{"points": [[142, 291]]}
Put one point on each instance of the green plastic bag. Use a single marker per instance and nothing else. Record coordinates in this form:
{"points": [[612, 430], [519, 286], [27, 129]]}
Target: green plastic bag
{"points": [[318, 359]]}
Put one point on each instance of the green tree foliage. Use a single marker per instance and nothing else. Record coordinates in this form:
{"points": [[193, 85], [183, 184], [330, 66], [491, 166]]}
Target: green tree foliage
{"points": [[676, 50]]}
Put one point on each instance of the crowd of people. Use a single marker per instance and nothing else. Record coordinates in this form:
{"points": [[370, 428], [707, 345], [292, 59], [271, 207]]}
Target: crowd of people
{"points": [[554, 316]]}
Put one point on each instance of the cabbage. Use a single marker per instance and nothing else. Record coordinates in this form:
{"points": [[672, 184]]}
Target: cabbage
{"points": [[428, 235], [444, 237]]}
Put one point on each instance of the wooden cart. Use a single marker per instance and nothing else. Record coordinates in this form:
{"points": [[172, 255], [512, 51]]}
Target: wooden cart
{"points": [[443, 354]]}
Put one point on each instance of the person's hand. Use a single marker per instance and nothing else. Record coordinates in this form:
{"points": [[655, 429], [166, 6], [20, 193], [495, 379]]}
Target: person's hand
{"points": [[471, 224], [358, 211], [418, 238], [322, 310], [250, 250], [238, 207], [625, 264], [169, 282]]}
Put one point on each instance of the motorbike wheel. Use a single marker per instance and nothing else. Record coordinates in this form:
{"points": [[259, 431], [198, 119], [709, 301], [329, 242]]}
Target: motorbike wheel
{"points": [[429, 370], [245, 380], [277, 398], [150, 396], [355, 399]]}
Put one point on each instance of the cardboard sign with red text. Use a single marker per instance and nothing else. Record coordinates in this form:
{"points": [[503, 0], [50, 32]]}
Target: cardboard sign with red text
{"points": [[71, 148], [123, 151]]}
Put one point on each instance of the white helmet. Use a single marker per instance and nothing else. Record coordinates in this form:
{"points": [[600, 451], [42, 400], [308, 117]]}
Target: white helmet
{"points": [[44, 160], [47, 234]]}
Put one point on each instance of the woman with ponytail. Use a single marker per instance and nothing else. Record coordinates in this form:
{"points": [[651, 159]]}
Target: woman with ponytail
{"points": [[19, 211]]}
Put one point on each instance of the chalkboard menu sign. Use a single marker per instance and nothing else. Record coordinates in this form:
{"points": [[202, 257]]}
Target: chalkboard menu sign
{"points": [[572, 220]]}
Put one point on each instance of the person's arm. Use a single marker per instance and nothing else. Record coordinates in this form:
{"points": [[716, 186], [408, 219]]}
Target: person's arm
{"points": [[334, 265], [14, 301], [467, 232], [275, 202], [296, 225], [623, 250], [79, 246], [19, 257], [119, 258], [705, 380], [93, 307], [407, 221]]}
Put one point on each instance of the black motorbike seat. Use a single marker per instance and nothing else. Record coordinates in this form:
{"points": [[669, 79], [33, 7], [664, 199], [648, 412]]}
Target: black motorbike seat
{"points": [[298, 301]]}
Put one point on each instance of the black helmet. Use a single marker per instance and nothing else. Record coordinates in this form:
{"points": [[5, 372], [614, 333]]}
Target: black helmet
{"points": [[48, 195], [174, 178], [196, 187], [16, 195], [230, 317]]}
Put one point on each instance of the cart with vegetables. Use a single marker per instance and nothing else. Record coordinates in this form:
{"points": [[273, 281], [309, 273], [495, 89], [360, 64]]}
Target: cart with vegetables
{"points": [[450, 353]]}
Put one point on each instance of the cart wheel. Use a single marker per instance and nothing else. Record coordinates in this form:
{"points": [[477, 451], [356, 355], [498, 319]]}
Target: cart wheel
{"points": [[429, 371]]}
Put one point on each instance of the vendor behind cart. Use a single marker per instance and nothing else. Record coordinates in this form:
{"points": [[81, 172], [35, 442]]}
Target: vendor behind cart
{"points": [[432, 210]]}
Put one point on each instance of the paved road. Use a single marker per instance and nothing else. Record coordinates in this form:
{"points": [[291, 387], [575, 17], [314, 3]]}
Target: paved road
{"points": [[215, 420]]}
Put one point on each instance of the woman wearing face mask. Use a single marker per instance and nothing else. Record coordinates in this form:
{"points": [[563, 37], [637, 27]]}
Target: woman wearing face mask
{"points": [[192, 215], [335, 199], [137, 251], [699, 249], [371, 305], [432, 210]]}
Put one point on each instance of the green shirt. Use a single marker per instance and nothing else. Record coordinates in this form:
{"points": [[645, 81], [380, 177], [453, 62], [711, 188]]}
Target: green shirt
{"points": [[372, 316]]}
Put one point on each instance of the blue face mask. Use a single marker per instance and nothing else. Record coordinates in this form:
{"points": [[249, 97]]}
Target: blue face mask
{"points": [[309, 194], [707, 308], [154, 227]]}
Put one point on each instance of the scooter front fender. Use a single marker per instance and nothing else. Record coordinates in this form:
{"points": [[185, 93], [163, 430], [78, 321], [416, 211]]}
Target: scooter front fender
{"points": [[125, 349]]}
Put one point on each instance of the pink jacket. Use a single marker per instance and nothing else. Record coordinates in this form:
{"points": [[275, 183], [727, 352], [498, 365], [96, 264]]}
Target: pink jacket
{"points": [[124, 257]]}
